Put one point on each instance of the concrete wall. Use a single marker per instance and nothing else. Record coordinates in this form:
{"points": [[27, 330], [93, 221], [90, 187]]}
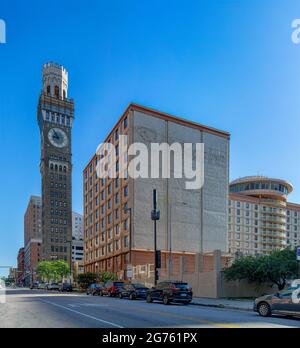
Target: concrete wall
{"points": [[195, 219]]}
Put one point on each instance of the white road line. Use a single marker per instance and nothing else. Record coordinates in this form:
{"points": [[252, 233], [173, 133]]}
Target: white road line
{"points": [[83, 314]]}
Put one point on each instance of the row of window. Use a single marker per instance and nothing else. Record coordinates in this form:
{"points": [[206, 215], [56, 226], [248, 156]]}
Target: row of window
{"points": [[58, 249], [259, 186], [58, 118], [109, 249], [58, 203], [116, 136], [109, 232], [57, 167]]}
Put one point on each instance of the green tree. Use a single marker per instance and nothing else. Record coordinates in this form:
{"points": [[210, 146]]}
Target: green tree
{"points": [[85, 279], [105, 276], [60, 269], [45, 271], [276, 268], [53, 270]]}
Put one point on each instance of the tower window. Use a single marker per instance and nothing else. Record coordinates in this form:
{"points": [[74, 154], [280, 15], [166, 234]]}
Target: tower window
{"points": [[64, 94], [48, 89], [56, 91]]}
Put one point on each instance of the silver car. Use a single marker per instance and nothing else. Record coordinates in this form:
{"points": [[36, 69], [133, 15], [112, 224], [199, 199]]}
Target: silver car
{"points": [[286, 302]]}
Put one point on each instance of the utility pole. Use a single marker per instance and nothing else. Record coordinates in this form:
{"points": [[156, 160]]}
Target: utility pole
{"points": [[155, 216]]}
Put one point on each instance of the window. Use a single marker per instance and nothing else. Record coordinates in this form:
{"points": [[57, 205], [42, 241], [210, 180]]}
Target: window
{"points": [[56, 91], [126, 242], [125, 122], [125, 191]]}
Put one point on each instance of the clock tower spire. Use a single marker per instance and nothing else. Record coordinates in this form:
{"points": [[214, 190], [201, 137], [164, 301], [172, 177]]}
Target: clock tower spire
{"points": [[55, 117]]}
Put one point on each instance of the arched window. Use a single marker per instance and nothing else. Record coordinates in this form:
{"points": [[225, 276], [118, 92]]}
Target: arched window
{"points": [[48, 89], [60, 168], [56, 167], [56, 91], [65, 168], [51, 166]]}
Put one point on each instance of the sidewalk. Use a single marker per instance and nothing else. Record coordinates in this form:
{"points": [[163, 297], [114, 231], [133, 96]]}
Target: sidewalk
{"points": [[245, 305]]}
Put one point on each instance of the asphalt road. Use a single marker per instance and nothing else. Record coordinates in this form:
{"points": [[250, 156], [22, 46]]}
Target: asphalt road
{"points": [[40, 309]]}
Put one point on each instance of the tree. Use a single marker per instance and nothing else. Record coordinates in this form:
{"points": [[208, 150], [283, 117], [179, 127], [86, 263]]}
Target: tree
{"points": [[53, 270], [276, 268], [60, 269], [105, 276], [86, 279], [44, 270]]}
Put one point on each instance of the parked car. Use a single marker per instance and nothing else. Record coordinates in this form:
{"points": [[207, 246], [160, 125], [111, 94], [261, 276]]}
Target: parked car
{"points": [[94, 289], [52, 286], [286, 302], [34, 285], [112, 288], [41, 286], [133, 291], [67, 287], [170, 291]]}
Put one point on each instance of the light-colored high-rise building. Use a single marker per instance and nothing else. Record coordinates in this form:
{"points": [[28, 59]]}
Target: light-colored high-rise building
{"points": [[77, 226], [118, 230], [77, 241], [260, 218]]}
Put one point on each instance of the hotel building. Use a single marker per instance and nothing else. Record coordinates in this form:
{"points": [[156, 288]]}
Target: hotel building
{"points": [[260, 218], [192, 222]]}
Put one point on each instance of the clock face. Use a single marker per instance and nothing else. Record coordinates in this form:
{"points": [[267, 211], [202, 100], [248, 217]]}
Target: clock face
{"points": [[57, 137]]}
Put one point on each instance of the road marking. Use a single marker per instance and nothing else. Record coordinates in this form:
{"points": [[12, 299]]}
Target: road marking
{"points": [[83, 314], [187, 318]]}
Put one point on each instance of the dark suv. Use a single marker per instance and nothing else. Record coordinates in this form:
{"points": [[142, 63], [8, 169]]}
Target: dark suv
{"points": [[112, 288], [94, 289], [133, 291], [67, 287], [170, 291]]}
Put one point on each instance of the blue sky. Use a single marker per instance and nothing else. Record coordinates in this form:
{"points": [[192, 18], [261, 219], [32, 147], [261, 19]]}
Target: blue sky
{"points": [[227, 64]]}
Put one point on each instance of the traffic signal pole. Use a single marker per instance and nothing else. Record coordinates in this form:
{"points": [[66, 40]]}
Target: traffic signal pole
{"points": [[155, 216]]}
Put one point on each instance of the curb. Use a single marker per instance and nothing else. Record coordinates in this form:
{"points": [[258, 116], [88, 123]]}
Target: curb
{"points": [[221, 306]]}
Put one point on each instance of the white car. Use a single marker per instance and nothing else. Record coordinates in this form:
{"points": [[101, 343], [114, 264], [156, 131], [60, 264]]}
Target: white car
{"points": [[52, 286]]}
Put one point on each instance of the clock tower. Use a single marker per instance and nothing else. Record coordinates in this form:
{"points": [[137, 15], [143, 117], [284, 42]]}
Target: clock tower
{"points": [[55, 119]]}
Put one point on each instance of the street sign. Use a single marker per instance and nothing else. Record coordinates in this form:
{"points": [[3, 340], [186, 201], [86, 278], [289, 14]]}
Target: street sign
{"points": [[298, 253], [129, 272]]}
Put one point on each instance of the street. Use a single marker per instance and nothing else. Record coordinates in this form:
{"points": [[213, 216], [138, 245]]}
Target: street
{"points": [[40, 309]]}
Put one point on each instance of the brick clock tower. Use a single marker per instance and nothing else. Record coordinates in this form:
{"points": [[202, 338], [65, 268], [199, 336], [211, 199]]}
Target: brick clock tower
{"points": [[55, 119]]}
